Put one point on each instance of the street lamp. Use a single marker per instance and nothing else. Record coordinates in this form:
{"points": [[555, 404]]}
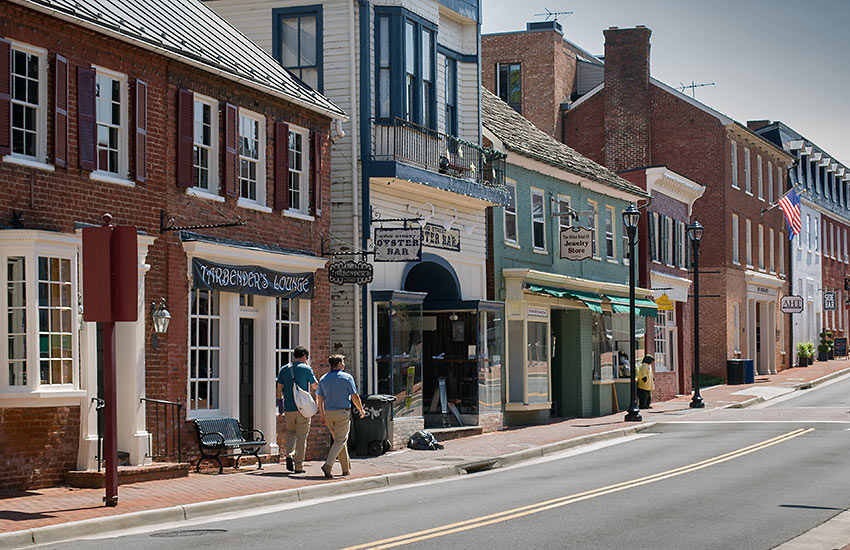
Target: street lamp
{"points": [[695, 231], [160, 317], [631, 216]]}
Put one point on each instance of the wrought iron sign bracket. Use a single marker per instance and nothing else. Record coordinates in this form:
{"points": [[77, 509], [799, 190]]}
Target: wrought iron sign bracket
{"points": [[163, 227]]}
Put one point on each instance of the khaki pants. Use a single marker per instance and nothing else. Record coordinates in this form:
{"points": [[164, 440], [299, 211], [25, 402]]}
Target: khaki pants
{"points": [[297, 428], [339, 422]]}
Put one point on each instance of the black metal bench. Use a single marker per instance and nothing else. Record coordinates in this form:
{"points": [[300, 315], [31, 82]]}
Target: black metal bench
{"points": [[219, 437]]}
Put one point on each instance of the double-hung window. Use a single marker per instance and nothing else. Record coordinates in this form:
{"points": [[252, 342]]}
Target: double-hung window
{"points": [[594, 226], [252, 154], [510, 214], [735, 244], [287, 325], [761, 247], [760, 177], [770, 183], [748, 235], [297, 38], [734, 153], [538, 220], [610, 248], [111, 109], [772, 259], [509, 84], [748, 169], [299, 158], [29, 101], [205, 144], [451, 96]]}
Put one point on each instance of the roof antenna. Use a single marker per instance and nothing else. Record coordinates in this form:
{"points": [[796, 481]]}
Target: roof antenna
{"points": [[554, 15], [693, 86]]}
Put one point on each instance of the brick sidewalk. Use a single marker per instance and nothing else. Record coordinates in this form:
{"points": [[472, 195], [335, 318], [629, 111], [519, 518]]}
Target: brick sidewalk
{"points": [[61, 504]]}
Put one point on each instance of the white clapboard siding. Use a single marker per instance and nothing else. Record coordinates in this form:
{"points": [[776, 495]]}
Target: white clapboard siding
{"points": [[468, 93]]}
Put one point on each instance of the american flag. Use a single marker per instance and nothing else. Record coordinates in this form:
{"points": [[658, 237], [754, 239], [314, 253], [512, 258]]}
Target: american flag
{"points": [[790, 205]]}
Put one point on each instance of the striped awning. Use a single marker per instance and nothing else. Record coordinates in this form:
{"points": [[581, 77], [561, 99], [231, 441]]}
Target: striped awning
{"points": [[591, 300], [643, 306]]}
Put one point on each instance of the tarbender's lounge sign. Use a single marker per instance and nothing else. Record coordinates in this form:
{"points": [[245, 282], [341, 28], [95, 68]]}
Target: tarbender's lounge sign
{"points": [[251, 279]]}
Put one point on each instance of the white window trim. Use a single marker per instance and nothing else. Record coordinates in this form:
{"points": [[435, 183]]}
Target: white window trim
{"points": [[593, 205], [261, 161], [304, 191], [40, 160], [511, 185], [611, 213], [748, 175], [203, 194], [31, 244], [772, 264], [761, 247], [760, 177], [781, 267], [736, 243], [213, 177], [734, 153], [770, 182], [748, 236], [123, 176], [540, 193], [223, 310]]}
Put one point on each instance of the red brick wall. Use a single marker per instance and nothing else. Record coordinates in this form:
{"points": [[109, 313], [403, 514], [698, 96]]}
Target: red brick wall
{"points": [[584, 127], [833, 271], [56, 200]]}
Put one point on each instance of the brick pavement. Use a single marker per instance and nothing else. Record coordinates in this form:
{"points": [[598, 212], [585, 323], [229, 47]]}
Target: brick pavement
{"points": [[60, 505]]}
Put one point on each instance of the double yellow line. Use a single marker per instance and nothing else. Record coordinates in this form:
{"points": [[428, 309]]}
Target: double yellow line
{"points": [[515, 513]]}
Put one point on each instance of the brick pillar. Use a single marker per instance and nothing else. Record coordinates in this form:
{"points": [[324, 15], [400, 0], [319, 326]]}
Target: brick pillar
{"points": [[627, 98]]}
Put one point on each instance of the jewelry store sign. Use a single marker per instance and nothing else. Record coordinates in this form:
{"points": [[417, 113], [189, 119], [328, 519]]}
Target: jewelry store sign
{"points": [[576, 243], [398, 245], [436, 236]]}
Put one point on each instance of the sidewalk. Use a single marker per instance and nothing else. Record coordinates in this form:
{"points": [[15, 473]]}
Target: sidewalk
{"points": [[53, 514]]}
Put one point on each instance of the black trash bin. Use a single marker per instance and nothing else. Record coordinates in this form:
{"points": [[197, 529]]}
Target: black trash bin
{"points": [[735, 371], [371, 434]]}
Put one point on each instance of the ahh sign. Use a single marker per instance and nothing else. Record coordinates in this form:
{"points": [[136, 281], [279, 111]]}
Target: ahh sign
{"points": [[576, 243]]}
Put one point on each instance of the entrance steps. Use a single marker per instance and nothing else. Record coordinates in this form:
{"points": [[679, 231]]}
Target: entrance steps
{"points": [[92, 479]]}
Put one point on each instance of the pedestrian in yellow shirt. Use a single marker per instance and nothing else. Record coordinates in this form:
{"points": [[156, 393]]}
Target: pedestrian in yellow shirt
{"points": [[645, 382]]}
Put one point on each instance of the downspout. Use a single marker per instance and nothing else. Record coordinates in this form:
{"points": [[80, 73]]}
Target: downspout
{"points": [[355, 217], [478, 76], [365, 152]]}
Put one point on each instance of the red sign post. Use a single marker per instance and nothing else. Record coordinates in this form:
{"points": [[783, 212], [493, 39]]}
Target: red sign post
{"points": [[110, 295]]}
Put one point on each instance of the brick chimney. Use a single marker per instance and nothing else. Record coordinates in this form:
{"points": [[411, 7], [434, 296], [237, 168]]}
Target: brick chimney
{"points": [[627, 98]]}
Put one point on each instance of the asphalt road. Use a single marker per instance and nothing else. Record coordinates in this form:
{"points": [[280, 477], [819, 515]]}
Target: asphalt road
{"points": [[750, 480]]}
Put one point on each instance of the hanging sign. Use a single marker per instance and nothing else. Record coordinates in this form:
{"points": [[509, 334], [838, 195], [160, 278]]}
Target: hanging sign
{"points": [[791, 304], [251, 279], [576, 243], [350, 271], [398, 245], [664, 303], [829, 300], [436, 236]]}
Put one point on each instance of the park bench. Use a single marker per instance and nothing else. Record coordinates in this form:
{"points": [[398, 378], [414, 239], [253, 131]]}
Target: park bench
{"points": [[218, 437]]}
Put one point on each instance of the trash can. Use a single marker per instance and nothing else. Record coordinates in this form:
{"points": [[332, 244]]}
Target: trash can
{"points": [[371, 434], [735, 371], [749, 371]]}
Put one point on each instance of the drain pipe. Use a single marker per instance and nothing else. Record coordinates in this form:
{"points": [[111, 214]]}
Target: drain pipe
{"points": [[355, 216], [365, 151]]}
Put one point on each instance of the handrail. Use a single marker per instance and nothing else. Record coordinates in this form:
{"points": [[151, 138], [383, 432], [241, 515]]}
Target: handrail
{"points": [[162, 438], [100, 404]]}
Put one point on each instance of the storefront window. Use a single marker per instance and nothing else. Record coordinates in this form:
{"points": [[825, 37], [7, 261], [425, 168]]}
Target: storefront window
{"points": [[516, 375], [16, 286], [490, 361], [204, 350], [399, 355], [611, 337], [287, 320], [55, 329], [537, 369]]}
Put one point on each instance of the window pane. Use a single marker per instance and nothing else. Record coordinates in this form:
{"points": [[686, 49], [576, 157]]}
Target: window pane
{"points": [[538, 362], [308, 41], [409, 48], [289, 30]]}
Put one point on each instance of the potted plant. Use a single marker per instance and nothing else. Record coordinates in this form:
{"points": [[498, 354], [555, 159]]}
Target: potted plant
{"points": [[831, 343], [810, 355], [802, 354], [823, 347]]}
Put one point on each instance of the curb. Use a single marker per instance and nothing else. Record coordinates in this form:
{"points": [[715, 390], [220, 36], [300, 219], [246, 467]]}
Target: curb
{"points": [[801, 386], [98, 526]]}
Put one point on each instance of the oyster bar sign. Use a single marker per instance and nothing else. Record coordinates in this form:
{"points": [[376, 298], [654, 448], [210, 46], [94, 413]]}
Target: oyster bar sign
{"points": [[576, 243]]}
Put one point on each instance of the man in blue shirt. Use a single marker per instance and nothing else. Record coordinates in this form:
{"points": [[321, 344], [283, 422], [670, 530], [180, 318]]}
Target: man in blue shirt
{"points": [[297, 425], [335, 395]]}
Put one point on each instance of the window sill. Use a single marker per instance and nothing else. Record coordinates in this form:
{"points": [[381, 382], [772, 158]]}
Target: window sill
{"points": [[612, 261], [201, 194], [541, 251], [109, 178], [250, 205], [41, 398], [298, 215], [29, 163], [513, 245]]}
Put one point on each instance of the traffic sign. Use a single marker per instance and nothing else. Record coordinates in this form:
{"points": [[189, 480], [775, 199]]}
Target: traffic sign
{"points": [[791, 304]]}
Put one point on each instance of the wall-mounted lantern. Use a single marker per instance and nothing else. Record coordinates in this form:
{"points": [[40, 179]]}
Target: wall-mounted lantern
{"points": [[160, 317]]}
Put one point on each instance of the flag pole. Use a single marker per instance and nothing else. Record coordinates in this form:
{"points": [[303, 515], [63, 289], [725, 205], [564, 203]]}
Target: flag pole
{"points": [[774, 205]]}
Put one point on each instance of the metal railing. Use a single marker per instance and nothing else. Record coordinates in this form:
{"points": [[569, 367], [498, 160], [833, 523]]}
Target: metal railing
{"points": [[99, 408], [399, 140], [165, 436]]}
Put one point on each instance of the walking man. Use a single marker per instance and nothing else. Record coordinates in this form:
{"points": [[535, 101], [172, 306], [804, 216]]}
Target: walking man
{"points": [[297, 425], [335, 396]]}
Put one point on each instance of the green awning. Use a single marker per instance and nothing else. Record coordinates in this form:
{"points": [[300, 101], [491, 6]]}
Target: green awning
{"points": [[643, 306], [591, 300]]}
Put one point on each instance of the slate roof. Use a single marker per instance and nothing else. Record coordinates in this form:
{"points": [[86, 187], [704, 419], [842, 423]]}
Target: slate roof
{"points": [[519, 135], [191, 32]]}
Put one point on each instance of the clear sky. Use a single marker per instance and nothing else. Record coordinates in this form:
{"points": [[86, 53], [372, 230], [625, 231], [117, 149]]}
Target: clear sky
{"points": [[769, 59]]}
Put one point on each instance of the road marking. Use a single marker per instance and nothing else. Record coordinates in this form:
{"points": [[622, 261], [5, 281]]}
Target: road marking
{"points": [[522, 511]]}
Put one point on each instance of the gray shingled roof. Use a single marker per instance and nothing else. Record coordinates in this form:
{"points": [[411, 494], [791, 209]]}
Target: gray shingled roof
{"points": [[191, 32], [519, 135]]}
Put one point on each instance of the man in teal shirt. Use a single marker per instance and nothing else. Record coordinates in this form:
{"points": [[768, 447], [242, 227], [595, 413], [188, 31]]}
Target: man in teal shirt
{"points": [[335, 396], [297, 425]]}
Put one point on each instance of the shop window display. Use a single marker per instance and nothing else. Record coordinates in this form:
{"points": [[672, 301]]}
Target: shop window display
{"points": [[399, 355], [611, 341]]}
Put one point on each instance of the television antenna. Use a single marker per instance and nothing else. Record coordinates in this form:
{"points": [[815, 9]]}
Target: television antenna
{"points": [[554, 15], [693, 87]]}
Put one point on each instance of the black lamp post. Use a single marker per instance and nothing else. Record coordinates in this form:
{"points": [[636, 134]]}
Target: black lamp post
{"points": [[631, 215], [695, 231]]}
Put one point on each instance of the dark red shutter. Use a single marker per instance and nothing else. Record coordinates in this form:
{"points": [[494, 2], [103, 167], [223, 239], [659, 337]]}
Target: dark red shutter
{"points": [[141, 129], [5, 97], [60, 130], [316, 173], [281, 166], [86, 117], [231, 120], [185, 138]]}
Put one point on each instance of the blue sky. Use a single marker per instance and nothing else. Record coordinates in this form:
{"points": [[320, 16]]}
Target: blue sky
{"points": [[769, 59]]}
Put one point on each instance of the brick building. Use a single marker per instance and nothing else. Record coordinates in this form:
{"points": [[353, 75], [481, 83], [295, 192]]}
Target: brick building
{"points": [[818, 265], [139, 114]]}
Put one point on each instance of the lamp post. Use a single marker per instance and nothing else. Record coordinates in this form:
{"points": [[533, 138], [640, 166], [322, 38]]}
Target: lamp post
{"points": [[695, 231], [631, 215]]}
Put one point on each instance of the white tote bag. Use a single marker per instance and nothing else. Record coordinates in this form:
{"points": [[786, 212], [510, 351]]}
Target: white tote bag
{"points": [[304, 401]]}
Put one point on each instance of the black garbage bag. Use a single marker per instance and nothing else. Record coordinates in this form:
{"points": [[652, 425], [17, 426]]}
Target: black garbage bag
{"points": [[423, 441]]}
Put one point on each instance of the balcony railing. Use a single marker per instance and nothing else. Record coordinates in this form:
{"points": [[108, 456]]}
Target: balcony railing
{"points": [[399, 140]]}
